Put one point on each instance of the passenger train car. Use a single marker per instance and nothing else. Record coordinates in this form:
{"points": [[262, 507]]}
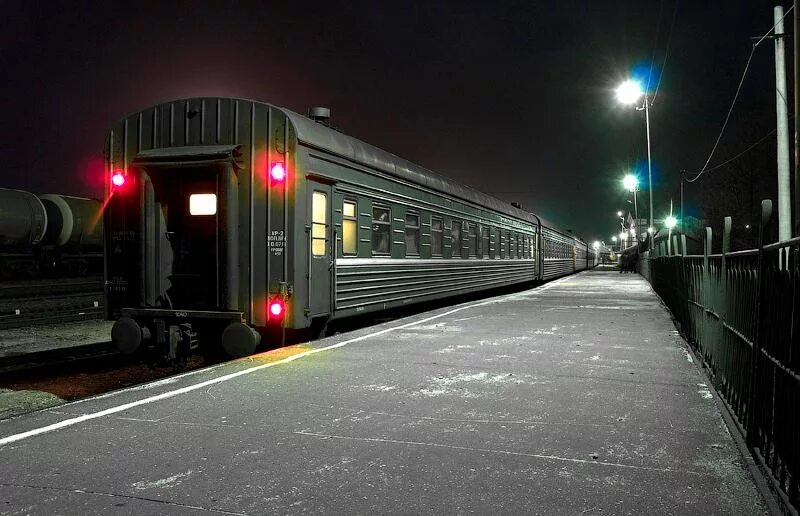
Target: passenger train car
{"points": [[226, 218]]}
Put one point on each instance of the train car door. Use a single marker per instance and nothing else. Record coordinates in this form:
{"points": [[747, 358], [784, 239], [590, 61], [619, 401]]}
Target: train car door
{"points": [[320, 261]]}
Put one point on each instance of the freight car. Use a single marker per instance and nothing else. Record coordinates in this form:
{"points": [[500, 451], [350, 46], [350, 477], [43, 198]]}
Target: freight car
{"points": [[49, 235], [227, 218]]}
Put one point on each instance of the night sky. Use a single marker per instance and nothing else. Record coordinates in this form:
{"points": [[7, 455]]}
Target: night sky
{"points": [[513, 98]]}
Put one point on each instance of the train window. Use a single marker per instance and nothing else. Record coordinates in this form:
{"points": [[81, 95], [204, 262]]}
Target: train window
{"points": [[524, 246], [412, 233], [512, 245], [203, 204], [455, 239], [349, 228], [381, 229], [519, 245], [473, 239], [502, 244], [483, 248], [436, 236], [319, 222]]}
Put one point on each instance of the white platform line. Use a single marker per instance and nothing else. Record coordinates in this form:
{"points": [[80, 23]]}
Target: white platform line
{"points": [[189, 388]]}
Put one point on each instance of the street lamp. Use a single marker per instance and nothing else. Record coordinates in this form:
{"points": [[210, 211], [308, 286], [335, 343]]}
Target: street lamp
{"points": [[629, 92], [670, 222]]}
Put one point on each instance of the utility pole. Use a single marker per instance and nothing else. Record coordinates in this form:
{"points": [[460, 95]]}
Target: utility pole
{"points": [[796, 118], [781, 108]]}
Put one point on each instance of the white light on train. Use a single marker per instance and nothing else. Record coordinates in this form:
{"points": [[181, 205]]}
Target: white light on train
{"points": [[278, 172], [203, 204]]}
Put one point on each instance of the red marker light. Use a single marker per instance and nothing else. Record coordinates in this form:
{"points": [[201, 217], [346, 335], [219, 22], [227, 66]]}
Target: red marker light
{"points": [[118, 179], [277, 172], [276, 308]]}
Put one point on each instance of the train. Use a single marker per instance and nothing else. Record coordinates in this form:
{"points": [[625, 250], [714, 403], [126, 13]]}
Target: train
{"points": [[228, 219], [49, 235]]}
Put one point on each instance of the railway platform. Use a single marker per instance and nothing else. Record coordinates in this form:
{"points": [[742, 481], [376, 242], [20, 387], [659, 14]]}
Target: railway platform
{"points": [[575, 397]]}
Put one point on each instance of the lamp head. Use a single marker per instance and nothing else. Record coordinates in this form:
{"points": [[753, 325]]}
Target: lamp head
{"points": [[629, 92], [630, 182]]}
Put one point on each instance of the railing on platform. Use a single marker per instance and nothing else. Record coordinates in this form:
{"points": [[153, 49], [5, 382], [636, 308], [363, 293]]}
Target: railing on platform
{"points": [[741, 312]]}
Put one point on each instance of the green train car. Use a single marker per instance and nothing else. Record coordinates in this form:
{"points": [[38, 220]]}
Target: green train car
{"points": [[226, 218]]}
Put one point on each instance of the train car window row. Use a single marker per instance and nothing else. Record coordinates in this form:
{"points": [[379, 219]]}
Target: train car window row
{"points": [[467, 239]]}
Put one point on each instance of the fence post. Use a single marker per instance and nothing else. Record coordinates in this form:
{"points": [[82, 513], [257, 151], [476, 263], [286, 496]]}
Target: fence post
{"points": [[764, 227], [723, 284], [706, 296]]}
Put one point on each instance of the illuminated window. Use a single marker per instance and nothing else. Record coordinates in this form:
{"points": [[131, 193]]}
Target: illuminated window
{"points": [[512, 245], [483, 245], [319, 223], [436, 236], [349, 228], [455, 239], [203, 204], [381, 229], [412, 233]]}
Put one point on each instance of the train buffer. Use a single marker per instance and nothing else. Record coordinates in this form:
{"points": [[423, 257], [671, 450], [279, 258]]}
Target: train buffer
{"points": [[575, 397]]}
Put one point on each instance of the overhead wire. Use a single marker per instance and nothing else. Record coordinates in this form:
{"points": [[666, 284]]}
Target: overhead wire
{"points": [[735, 98], [666, 52], [655, 45]]}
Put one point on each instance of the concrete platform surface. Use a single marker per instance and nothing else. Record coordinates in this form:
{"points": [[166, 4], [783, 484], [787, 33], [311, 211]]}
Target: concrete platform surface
{"points": [[577, 397]]}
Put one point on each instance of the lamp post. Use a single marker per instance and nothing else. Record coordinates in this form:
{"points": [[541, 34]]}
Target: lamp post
{"points": [[629, 92]]}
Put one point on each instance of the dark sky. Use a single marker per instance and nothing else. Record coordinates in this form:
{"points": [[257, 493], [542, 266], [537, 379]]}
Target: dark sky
{"points": [[513, 98]]}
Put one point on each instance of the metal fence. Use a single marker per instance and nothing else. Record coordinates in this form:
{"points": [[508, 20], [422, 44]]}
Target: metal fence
{"points": [[741, 312]]}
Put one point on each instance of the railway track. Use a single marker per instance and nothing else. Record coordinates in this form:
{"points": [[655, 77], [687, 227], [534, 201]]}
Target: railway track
{"points": [[50, 301]]}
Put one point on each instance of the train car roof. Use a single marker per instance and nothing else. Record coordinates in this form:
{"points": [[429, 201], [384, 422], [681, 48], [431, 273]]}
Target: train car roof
{"points": [[323, 137], [320, 136]]}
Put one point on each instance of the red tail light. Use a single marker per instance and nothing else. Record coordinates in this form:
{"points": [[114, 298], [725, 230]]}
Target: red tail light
{"points": [[118, 179], [277, 172], [276, 308]]}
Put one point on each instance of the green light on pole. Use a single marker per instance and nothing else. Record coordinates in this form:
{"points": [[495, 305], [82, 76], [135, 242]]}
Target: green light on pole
{"points": [[670, 222]]}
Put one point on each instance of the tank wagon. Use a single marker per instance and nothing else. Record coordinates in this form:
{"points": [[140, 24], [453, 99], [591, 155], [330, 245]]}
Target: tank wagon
{"points": [[227, 218], [50, 235]]}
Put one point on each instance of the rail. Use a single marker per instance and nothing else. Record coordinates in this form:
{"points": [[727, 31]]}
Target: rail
{"points": [[741, 312]]}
